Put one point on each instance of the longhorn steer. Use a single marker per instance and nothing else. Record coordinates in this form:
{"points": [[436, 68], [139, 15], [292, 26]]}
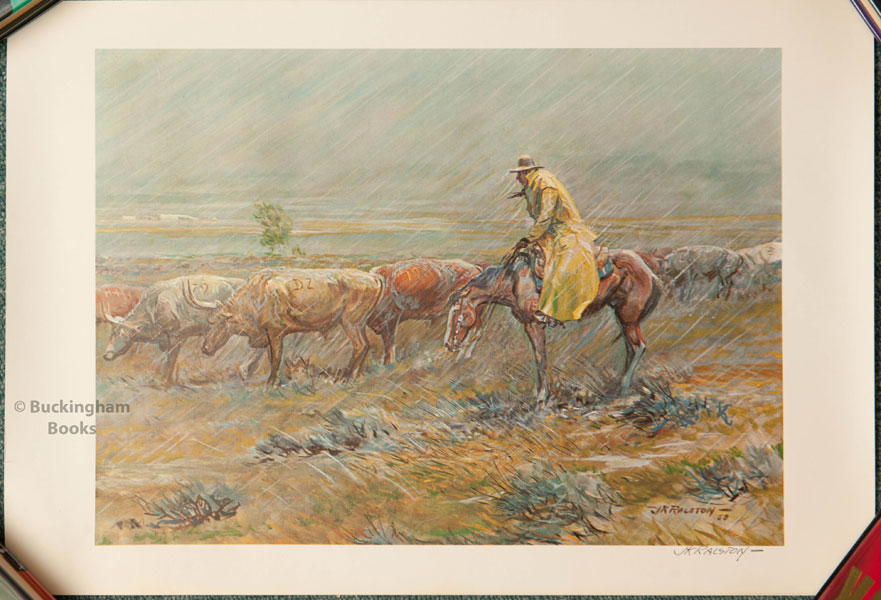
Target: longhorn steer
{"points": [[416, 289], [164, 317], [114, 301], [274, 303]]}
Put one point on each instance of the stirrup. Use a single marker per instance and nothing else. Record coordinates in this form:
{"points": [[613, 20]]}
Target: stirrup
{"points": [[606, 270], [546, 319]]}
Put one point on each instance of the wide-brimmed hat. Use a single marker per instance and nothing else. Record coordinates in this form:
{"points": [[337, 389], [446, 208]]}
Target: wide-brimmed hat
{"points": [[525, 163]]}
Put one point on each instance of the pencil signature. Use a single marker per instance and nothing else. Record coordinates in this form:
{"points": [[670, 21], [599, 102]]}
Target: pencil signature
{"points": [[737, 552]]}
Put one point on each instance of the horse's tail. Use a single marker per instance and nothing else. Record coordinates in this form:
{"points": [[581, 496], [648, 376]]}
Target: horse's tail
{"points": [[654, 280], [654, 292], [654, 297]]}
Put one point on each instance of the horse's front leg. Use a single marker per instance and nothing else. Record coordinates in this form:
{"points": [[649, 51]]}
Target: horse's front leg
{"points": [[635, 349], [526, 303], [536, 333]]}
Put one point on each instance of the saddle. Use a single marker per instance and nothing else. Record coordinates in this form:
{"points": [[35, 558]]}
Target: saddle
{"points": [[600, 254]]}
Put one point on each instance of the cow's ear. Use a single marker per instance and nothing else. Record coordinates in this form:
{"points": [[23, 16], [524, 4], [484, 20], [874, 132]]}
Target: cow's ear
{"points": [[226, 315]]}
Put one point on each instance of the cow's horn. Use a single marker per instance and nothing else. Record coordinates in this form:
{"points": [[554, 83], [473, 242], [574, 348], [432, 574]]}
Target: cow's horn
{"points": [[105, 314], [188, 295]]}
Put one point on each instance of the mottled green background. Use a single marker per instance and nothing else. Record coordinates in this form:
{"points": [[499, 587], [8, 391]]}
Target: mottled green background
{"points": [[413, 146]]}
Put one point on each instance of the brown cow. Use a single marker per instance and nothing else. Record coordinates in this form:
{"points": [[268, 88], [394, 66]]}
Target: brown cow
{"points": [[276, 302], [115, 301], [416, 289]]}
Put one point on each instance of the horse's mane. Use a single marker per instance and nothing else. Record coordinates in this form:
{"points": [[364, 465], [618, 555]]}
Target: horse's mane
{"points": [[488, 277]]}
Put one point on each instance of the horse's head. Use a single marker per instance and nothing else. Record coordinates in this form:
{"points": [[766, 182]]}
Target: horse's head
{"points": [[464, 321]]}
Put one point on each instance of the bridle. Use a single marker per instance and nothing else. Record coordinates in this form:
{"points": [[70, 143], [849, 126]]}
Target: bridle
{"points": [[467, 345]]}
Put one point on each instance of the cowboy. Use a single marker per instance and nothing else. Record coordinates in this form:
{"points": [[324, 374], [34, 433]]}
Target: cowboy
{"points": [[571, 279]]}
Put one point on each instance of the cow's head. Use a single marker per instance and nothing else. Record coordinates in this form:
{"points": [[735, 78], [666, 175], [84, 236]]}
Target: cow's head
{"points": [[222, 325], [465, 319], [121, 338], [223, 322]]}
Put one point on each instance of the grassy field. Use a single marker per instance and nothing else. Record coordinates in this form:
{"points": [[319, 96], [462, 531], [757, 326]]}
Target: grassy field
{"points": [[434, 450]]}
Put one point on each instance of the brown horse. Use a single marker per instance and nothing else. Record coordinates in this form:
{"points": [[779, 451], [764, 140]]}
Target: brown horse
{"points": [[416, 289], [632, 290]]}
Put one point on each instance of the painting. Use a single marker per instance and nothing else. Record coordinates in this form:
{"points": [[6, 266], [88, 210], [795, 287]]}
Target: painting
{"points": [[441, 296]]}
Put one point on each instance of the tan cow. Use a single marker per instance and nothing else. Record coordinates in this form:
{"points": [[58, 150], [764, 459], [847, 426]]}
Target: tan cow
{"points": [[276, 302]]}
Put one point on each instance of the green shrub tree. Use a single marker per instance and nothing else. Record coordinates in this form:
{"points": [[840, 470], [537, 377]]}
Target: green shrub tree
{"points": [[276, 225]]}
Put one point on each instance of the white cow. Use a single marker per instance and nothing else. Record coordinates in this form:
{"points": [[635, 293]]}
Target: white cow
{"points": [[762, 263]]}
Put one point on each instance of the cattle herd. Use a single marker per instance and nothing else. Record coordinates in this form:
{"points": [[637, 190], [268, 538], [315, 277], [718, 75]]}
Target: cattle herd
{"points": [[274, 303]]}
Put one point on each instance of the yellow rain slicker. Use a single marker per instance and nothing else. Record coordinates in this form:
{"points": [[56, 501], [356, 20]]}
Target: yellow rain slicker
{"points": [[571, 280]]}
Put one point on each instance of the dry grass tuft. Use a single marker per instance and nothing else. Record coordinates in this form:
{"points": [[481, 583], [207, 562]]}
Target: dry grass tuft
{"points": [[661, 408], [191, 506], [378, 532], [735, 473], [545, 503], [340, 433]]}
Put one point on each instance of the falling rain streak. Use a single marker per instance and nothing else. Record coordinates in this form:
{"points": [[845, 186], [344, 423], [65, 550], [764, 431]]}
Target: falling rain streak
{"points": [[379, 156]]}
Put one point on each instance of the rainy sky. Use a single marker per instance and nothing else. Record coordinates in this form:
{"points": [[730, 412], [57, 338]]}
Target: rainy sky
{"points": [[377, 134]]}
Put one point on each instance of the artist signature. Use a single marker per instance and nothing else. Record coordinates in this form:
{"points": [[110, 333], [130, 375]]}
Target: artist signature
{"points": [[737, 552], [720, 514]]}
